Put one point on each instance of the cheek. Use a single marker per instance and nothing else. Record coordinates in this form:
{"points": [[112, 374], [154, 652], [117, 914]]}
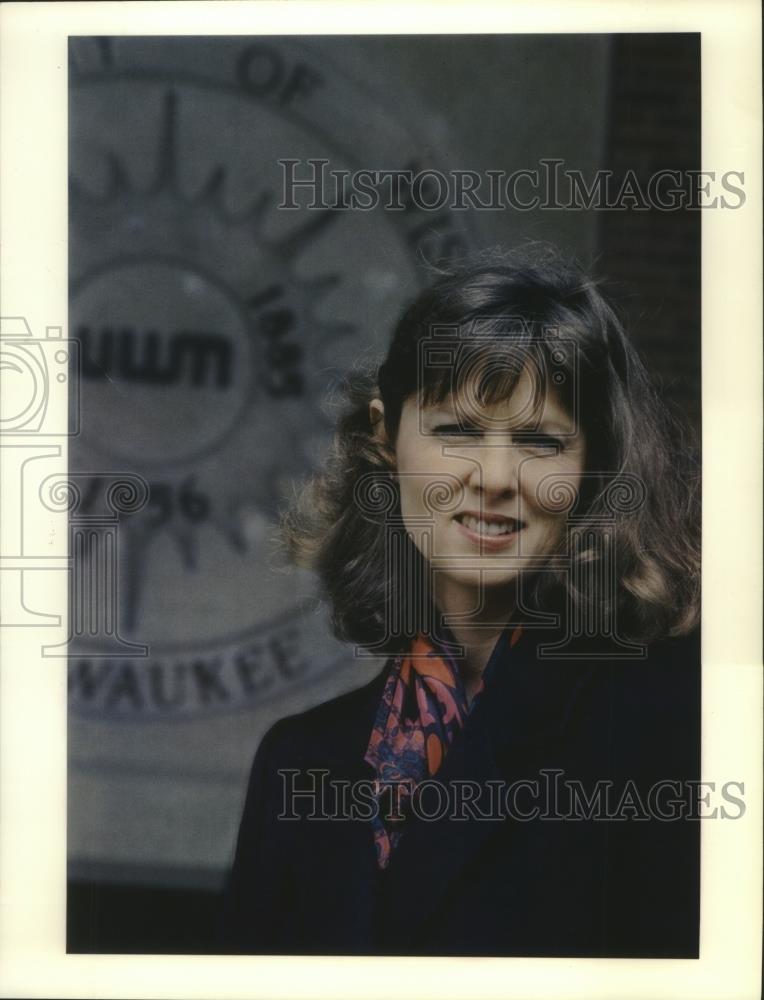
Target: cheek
{"points": [[428, 482], [408, 487], [549, 493], [411, 499]]}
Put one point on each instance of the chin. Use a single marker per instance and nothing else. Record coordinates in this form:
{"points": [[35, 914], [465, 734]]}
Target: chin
{"points": [[478, 575]]}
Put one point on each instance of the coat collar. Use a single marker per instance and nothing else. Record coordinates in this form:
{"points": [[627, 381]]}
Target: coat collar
{"points": [[524, 707]]}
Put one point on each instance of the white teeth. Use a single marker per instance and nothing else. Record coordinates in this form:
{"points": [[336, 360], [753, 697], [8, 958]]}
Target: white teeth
{"points": [[486, 528]]}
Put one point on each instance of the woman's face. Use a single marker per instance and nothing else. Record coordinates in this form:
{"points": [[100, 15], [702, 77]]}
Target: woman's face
{"points": [[508, 482]]}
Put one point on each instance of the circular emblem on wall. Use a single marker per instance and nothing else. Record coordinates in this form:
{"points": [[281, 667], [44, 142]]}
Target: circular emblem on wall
{"points": [[212, 327]]}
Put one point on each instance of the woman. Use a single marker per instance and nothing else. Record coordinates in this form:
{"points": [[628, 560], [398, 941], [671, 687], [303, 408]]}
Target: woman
{"points": [[510, 513]]}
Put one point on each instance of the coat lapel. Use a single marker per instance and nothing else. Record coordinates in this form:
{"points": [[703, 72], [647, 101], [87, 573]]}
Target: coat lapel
{"points": [[518, 721]]}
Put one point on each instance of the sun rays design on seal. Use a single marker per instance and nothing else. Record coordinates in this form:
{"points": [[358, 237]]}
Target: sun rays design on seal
{"points": [[283, 369], [235, 247]]}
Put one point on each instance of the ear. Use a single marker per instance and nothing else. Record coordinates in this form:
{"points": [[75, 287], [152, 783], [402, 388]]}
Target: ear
{"points": [[377, 418]]}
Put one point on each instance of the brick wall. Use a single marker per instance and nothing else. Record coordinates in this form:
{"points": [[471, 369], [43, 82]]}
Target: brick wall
{"points": [[652, 257]]}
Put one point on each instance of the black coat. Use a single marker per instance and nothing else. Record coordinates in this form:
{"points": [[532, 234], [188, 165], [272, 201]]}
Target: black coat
{"points": [[621, 887]]}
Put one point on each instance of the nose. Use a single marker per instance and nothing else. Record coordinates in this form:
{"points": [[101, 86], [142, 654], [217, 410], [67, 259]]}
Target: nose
{"points": [[495, 470]]}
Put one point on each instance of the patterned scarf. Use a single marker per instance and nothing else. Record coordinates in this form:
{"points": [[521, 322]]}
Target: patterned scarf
{"points": [[423, 707]]}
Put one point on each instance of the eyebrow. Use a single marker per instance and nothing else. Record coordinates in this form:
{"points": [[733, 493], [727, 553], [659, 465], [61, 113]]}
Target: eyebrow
{"points": [[551, 425], [554, 425]]}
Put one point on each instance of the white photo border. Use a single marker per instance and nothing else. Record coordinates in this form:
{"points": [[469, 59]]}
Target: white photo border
{"points": [[33, 221]]}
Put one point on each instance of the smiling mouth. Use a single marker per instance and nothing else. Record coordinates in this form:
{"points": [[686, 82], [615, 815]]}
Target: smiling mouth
{"points": [[489, 525]]}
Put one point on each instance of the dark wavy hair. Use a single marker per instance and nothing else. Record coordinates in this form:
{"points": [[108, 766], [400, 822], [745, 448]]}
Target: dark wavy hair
{"points": [[641, 482]]}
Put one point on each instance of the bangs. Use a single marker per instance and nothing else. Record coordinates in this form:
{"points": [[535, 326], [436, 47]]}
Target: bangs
{"points": [[477, 373]]}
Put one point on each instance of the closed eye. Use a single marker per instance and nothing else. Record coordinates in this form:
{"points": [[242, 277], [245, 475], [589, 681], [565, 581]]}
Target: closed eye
{"points": [[455, 430], [539, 442], [529, 440]]}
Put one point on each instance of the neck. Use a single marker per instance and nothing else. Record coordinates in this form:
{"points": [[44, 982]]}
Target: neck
{"points": [[476, 629]]}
